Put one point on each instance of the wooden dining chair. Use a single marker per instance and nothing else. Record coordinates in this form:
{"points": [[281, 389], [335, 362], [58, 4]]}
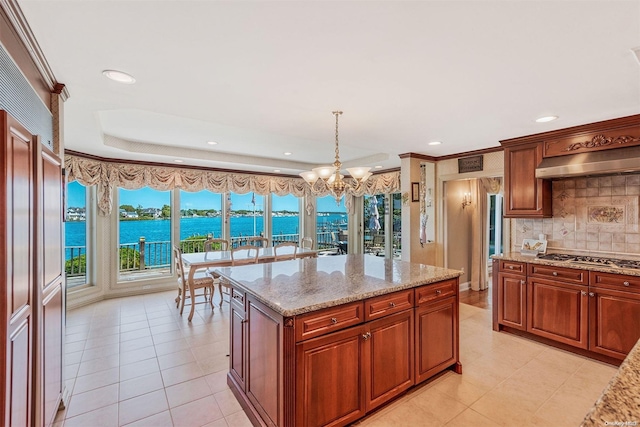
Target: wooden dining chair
{"points": [[187, 288], [281, 247], [242, 255], [307, 243], [215, 245]]}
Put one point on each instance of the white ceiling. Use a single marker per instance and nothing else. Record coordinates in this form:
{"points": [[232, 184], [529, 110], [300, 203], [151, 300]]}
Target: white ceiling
{"points": [[262, 77]]}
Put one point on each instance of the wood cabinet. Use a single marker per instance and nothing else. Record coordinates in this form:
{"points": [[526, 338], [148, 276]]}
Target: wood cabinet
{"points": [[332, 366], [614, 311], [33, 284], [512, 294], [525, 195]]}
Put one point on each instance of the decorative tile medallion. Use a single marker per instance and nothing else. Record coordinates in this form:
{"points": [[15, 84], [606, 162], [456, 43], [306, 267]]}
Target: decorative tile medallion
{"points": [[605, 214]]}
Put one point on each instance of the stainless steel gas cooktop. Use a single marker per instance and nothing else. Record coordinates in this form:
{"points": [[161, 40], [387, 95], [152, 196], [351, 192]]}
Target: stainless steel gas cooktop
{"points": [[583, 259]]}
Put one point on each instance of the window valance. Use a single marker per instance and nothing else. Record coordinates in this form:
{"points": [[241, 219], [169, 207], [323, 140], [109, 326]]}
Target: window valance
{"points": [[108, 176]]}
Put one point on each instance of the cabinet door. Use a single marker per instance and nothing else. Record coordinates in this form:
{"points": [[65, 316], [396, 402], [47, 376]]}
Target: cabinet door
{"points": [[558, 311], [330, 379], [525, 195], [512, 301], [388, 357], [615, 321], [237, 344], [436, 331]]}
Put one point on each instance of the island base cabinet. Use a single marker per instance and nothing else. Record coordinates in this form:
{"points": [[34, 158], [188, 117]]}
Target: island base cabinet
{"points": [[558, 311], [330, 379], [436, 332], [237, 343], [615, 322]]}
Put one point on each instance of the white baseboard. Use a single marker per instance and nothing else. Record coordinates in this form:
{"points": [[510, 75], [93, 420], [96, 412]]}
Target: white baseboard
{"points": [[465, 286]]}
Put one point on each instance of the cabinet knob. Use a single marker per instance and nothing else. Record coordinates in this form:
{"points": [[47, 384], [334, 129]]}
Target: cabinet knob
{"points": [[511, 267], [555, 273], [438, 291], [522, 282], [591, 294], [584, 293], [625, 283], [334, 320], [366, 336], [392, 304]]}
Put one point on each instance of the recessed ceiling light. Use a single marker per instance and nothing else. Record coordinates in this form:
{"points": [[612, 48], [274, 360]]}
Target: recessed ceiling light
{"points": [[546, 119], [212, 143], [435, 143], [276, 170], [286, 153], [378, 167], [119, 76], [179, 161]]}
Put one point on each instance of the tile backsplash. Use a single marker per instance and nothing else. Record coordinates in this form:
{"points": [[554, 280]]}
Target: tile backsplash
{"points": [[593, 214]]}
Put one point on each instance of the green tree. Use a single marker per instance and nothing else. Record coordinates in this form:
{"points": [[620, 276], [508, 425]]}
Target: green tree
{"points": [[127, 208], [166, 211]]}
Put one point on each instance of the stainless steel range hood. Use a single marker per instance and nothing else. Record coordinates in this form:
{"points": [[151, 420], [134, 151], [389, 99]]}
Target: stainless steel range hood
{"points": [[615, 161]]}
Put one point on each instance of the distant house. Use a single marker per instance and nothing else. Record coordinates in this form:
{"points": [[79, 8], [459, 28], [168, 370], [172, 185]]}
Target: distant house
{"points": [[125, 214], [76, 214], [154, 212]]}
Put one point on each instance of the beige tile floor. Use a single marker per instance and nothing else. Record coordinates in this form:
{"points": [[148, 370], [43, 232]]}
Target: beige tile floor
{"points": [[135, 361]]}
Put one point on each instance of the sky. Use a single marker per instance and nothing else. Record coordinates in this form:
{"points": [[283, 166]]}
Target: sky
{"points": [[149, 198]]}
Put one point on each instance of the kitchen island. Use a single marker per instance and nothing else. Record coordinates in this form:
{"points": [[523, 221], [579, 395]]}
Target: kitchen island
{"points": [[324, 341]]}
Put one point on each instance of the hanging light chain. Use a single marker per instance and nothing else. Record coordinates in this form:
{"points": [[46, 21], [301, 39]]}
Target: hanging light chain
{"points": [[337, 163]]}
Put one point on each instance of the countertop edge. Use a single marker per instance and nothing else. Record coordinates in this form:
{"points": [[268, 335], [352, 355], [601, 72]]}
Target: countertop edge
{"points": [[453, 274], [515, 256]]}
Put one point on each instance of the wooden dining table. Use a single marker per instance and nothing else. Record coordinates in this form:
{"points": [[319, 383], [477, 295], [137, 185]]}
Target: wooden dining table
{"points": [[202, 260]]}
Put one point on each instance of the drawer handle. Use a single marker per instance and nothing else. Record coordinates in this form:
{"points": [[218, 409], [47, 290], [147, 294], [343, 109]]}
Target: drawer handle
{"points": [[511, 267], [555, 273], [625, 283], [591, 294], [334, 320], [584, 293], [392, 304], [438, 291], [366, 336]]}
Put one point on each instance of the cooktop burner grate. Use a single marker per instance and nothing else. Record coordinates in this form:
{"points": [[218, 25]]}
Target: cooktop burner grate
{"points": [[583, 259]]}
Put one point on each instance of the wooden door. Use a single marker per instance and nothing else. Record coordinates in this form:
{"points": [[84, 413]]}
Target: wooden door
{"points": [[388, 357], [614, 325], [49, 280], [16, 252], [512, 301], [436, 331], [330, 380], [558, 311], [525, 195]]}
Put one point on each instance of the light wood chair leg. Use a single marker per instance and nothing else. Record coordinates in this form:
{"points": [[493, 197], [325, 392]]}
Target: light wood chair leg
{"points": [[193, 303], [184, 297]]}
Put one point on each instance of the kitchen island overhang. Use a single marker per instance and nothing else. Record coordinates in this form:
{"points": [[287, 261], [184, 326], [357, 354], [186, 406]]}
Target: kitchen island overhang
{"points": [[382, 326]]}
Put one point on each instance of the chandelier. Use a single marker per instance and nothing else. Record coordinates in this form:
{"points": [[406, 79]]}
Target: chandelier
{"points": [[330, 176]]}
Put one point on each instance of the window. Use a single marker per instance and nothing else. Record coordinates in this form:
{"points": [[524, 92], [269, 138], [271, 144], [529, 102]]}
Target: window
{"points": [[285, 219], [332, 225], [396, 218], [200, 219], [374, 222], [75, 230], [144, 233], [246, 217]]}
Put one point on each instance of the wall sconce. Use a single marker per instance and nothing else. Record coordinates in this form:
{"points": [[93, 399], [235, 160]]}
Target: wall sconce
{"points": [[466, 200]]}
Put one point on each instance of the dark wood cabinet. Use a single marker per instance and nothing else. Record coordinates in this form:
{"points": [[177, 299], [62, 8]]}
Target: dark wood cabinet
{"points": [[512, 300], [436, 337], [614, 312], [388, 357], [237, 338], [525, 195]]}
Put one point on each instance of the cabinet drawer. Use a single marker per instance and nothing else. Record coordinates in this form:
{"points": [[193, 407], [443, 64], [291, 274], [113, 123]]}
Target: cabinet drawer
{"points": [[329, 320], [384, 305], [512, 266], [615, 281], [436, 291], [237, 297], [567, 275]]}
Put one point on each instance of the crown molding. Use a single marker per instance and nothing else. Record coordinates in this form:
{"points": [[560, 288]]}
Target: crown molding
{"points": [[20, 25]]}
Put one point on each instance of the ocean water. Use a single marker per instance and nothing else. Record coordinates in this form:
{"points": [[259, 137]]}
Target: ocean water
{"points": [[160, 230]]}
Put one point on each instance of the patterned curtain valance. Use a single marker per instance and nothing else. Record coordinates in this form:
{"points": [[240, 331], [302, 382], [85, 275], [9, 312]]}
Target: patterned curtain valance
{"points": [[110, 175]]}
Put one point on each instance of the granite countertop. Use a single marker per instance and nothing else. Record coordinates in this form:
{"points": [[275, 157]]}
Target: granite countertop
{"points": [[619, 404], [304, 285], [517, 256]]}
